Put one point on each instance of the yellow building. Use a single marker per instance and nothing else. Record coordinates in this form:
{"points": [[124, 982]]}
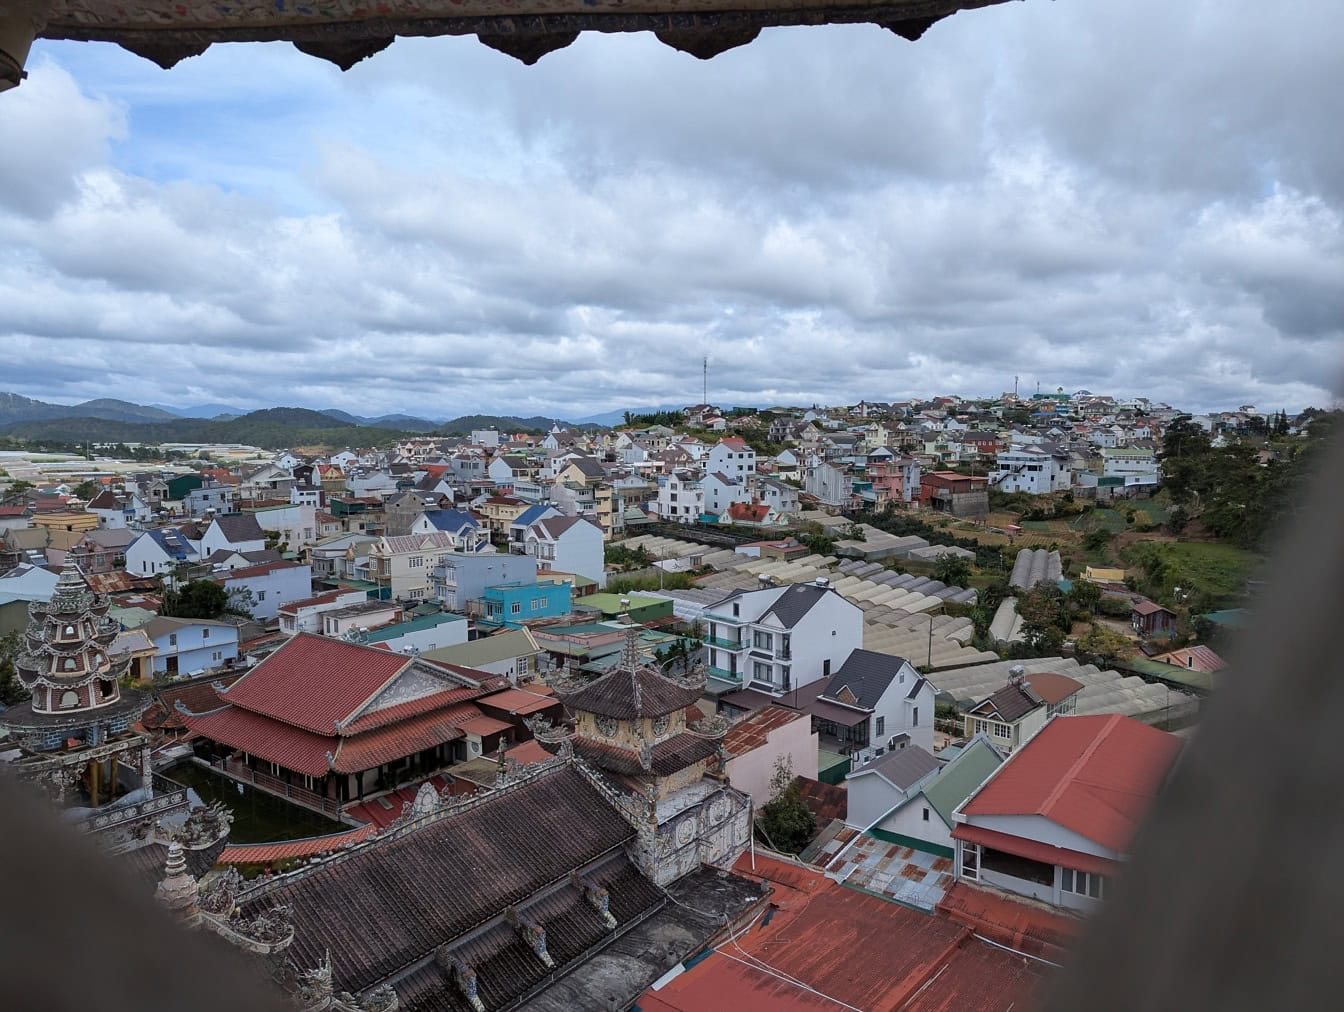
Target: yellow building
{"points": [[65, 521]]}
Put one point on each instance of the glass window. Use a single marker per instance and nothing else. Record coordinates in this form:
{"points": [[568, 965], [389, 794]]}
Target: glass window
{"points": [[926, 815], [914, 718], [515, 608], [763, 640], [881, 726], [970, 860]]}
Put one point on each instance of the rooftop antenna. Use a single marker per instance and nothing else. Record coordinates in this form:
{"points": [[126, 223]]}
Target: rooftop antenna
{"points": [[704, 388], [1014, 387]]}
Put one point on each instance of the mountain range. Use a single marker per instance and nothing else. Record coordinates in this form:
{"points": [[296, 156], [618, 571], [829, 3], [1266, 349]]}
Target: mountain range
{"points": [[108, 420]]}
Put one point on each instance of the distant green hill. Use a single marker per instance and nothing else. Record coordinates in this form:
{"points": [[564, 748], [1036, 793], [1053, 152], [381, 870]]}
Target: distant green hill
{"points": [[271, 429]]}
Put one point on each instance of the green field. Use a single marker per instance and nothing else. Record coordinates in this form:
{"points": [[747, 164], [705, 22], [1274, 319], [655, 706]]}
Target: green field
{"points": [[1215, 570]]}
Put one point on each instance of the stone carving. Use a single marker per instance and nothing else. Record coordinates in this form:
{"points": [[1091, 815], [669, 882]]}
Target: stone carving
{"points": [[532, 934], [315, 990], [426, 801], [219, 892]]}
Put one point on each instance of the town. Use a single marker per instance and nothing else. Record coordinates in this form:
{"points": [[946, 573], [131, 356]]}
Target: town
{"points": [[718, 707]]}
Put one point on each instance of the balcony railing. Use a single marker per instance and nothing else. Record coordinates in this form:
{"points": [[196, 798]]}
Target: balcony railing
{"points": [[719, 641], [724, 675]]}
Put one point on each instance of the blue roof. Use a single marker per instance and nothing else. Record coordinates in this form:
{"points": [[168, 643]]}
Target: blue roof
{"points": [[531, 515], [451, 521], [171, 542]]}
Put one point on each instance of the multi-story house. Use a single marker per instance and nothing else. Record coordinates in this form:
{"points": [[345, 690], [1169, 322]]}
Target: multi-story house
{"points": [[465, 531], [238, 532], [1035, 469], [405, 566], [681, 497], [722, 491], [779, 639], [568, 545], [306, 615], [459, 577], [1135, 464], [734, 459]]}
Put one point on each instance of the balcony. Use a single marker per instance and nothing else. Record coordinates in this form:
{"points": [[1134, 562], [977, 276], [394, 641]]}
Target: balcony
{"points": [[724, 675], [719, 641]]}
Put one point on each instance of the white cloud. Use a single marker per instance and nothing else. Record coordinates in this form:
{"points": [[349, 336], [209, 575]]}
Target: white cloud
{"points": [[829, 214]]}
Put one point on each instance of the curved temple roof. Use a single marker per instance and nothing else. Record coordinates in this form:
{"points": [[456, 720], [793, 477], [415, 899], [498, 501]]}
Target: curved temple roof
{"points": [[347, 31]]}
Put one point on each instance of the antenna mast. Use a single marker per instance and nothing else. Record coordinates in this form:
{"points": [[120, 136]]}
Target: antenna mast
{"points": [[704, 388]]}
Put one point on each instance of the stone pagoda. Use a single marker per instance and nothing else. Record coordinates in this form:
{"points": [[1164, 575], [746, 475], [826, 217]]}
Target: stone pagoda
{"points": [[74, 733], [664, 772]]}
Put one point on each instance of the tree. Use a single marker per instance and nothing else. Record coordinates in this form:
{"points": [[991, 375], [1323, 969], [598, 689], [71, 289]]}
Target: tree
{"points": [[1104, 645], [11, 689], [953, 570], [86, 490], [1085, 595], [1045, 618], [195, 599], [1097, 540], [785, 820]]}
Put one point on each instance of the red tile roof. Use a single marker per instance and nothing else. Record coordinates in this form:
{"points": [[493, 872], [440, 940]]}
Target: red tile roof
{"points": [[285, 850], [271, 740], [484, 726], [1150, 608], [391, 714], [751, 732], [518, 701], [1094, 775], [314, 683], [529, 752], [753, 512], [387, 744], [1053, 687]]}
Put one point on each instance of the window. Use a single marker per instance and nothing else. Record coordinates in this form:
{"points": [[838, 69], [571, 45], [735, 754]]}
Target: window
{"points": [[826, 668], [308, 782], [763, 640], [172, 639], [970, 860], [69, 698], [1082, 883], [761, 672], [737, 609], [516, 608], [261, 595], [416, 561], [914, 717], [881, 727], [275, 769], [205, 632], [926, 815], [1003, 731]]}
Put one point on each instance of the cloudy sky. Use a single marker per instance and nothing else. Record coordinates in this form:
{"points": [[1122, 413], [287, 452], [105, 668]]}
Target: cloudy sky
{"points": [[1133, 196]]}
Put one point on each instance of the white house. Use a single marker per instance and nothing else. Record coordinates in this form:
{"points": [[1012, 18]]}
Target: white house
{"points": [[295, 525], [900, 799], [875, 703], [783, 499], [722, 491], [1054, 822], [829, 483], [1035, 469], [159, 551], [237, 531], [263, 589], [568, 545], [778, 639], [681, 497], [733, 458], [1130, 463], [425, 632], [306, 615], [188, 646], [759, 740]]}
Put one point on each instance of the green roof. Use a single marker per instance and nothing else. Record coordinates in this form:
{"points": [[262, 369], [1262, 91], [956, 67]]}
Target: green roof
{"points": [[391, 632], [1202, 680], [1233, 618], [487, 650], [957, 779]]}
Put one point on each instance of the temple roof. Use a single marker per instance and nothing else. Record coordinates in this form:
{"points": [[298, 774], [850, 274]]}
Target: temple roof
{"points": [[385, 906], [669, 756], [628, 693]]}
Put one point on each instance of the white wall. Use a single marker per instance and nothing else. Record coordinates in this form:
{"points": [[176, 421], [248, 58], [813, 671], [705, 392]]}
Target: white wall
{"points": [[750, 772], [909, 820]]}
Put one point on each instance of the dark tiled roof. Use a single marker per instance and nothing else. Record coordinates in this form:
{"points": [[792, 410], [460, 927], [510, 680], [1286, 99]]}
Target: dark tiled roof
{"points": [[795, 602], [395, 901], [1012, 702], [239, 527], [626, 694], [904, 767], [866, 674]]}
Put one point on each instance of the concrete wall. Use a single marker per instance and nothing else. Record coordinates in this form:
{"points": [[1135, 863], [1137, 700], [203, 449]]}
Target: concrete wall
{"points": [[916, 820], [750, 772], [198, 648], [271, 590]]}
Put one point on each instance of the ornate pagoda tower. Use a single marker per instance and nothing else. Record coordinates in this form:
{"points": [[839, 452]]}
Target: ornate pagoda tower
{"points": [[75, 729], [664, 772]]}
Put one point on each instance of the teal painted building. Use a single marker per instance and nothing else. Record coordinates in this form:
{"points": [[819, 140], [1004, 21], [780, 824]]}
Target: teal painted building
{"points": [[512, 604]]}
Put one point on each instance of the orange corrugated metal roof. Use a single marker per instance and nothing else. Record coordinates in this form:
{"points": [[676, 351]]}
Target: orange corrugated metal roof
{"points": [[751, 732], [517, 701], [264, 853], [840, 945], [1095, 775]]}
